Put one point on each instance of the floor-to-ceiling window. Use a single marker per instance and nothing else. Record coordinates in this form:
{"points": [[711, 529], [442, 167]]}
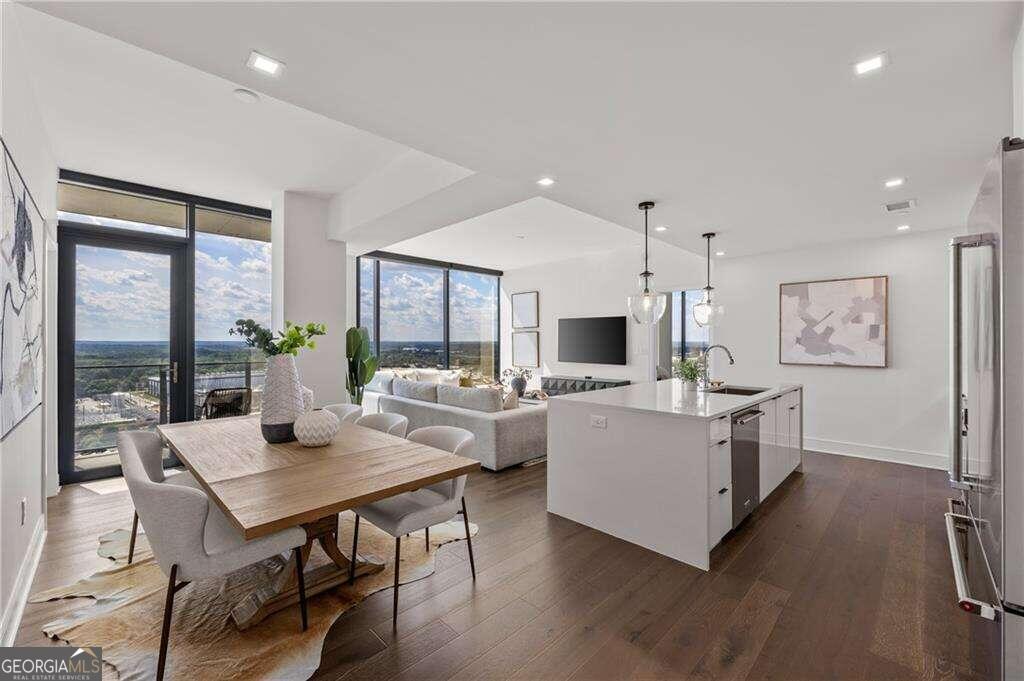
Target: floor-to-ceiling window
{"points": [[688, 339], [473, 322], [232, 281], [150, 281], [412, 315], [429, 314]]}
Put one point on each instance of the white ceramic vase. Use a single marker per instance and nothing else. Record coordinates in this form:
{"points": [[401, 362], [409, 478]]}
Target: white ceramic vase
{"points": [[316, 428], [282, 399]]}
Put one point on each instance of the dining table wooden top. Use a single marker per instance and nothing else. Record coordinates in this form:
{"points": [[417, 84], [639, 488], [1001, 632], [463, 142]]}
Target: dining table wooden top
{"points": [[264, 488]]}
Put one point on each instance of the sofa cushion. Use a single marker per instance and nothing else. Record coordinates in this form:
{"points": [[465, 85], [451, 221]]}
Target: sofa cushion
{"points": [[382, 382], [414, 390], [477, 399]]}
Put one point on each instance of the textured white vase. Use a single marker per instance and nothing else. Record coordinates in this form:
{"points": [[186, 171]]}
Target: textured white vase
{"points": [[282, 399], [316, 428]]}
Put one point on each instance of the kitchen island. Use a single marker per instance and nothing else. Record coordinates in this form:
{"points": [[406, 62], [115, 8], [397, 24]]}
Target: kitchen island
{"points": [[652, 463]]}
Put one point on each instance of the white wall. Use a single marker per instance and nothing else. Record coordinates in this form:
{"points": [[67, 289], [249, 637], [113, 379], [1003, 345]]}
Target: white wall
{"points": [[22, 460], [898, 413], [595, 286], [310, 285]]}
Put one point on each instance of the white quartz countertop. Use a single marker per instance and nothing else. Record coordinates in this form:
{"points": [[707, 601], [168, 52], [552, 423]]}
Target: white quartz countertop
{"points": [[669, 397]]}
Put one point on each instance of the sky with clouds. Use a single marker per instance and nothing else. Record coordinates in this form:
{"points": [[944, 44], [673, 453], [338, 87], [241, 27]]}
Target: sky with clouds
{"points": [[125, 295], [412, 300]]}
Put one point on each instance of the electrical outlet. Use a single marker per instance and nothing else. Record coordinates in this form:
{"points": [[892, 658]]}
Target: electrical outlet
{"points": [[598, 421], [24, 509]]}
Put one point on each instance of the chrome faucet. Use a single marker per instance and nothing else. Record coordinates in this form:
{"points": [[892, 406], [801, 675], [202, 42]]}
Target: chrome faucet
{"points": [[703, 381]]}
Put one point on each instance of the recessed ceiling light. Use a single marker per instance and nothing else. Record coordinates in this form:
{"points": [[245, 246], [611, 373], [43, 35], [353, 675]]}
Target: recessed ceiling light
{"points": [[660, 228], [870, 64], [520, 236], [545, 182], [894, 182], [719, 253], [264, 64], [903, 228], [247, 96]]}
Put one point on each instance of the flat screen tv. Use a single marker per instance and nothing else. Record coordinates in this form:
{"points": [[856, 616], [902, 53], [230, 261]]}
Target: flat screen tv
{"points": [[592, 340]]}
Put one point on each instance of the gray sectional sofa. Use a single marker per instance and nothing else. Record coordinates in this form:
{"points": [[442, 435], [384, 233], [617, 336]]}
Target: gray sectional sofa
{"points": [[504, 437]]}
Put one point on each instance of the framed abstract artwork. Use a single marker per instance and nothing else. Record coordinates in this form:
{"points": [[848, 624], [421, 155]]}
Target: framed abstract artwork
{"points": [[21, 318], [526, 349], [835, 322], [525, 310]]}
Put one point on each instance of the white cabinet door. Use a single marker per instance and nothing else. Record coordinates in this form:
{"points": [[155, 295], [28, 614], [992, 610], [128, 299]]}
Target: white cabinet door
{"points": [[719, 514], [795, 435], [767, 448], [782, 438]]}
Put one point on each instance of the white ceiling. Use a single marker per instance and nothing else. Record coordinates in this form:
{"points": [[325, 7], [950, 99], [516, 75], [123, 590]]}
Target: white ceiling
{"points": [[745, 118], [116, 110], [532, 232]]}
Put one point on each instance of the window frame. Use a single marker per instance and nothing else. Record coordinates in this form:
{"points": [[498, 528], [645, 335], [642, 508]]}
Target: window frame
{"points": [[446, 269], [186, 366]]}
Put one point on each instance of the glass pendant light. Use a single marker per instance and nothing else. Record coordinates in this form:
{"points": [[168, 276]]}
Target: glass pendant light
{"points": [[706, 313], [646, 307]]}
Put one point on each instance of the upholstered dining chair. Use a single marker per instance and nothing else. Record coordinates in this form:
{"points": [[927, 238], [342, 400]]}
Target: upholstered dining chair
{"points": [[192, 539], [392, 424], [418, 510], [346, 413]]}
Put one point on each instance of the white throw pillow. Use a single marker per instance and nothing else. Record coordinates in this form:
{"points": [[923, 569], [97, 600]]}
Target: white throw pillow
{"points": [[427, 375], [510, 401], [450, 377]]}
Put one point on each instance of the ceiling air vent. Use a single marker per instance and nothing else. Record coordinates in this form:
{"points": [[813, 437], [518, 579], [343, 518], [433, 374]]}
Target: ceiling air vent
{"points": [[900, 206]]}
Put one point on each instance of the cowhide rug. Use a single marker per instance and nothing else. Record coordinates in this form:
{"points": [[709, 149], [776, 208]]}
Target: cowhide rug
{"points": [[204, 643]]}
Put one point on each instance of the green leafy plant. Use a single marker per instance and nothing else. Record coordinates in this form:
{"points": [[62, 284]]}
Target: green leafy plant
{"points": [[289, 342], [686, 369], [362, 365]]}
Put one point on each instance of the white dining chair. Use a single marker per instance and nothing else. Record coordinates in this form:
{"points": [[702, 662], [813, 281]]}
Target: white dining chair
{"points": [[190, 538], [154, 465], [418, 510], [346, 413], [392, 424]]}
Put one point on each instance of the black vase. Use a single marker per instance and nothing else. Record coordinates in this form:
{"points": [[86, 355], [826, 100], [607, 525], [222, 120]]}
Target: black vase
{"points": [[519, 385]]}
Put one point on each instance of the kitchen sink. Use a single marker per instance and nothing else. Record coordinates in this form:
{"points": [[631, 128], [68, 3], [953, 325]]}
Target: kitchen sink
{"points": [[736, 390]]}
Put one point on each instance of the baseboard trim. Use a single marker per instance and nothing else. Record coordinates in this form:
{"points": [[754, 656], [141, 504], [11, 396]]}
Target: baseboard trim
{"points": [[862, 451], [11, 620]]}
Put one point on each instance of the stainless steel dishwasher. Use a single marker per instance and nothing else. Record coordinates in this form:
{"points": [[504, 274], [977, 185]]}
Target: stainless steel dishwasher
{"points": [[746, 464]]}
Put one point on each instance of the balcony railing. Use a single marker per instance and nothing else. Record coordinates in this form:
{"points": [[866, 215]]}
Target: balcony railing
{"points": [[139, 399]]}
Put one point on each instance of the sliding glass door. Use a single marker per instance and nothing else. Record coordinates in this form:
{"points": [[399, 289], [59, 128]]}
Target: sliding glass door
{"points": [[122, 352]]}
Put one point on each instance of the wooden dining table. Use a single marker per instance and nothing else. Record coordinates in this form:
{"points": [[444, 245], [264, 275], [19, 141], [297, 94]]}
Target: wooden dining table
{"points": [[263, 488]]}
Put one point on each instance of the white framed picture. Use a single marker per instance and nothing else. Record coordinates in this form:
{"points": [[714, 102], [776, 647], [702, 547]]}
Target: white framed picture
{"points": [[835, 322], [526, 349], [525, 310]]}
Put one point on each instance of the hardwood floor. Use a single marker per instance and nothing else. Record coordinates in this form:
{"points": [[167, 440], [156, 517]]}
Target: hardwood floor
{"points": [[842, 574]]}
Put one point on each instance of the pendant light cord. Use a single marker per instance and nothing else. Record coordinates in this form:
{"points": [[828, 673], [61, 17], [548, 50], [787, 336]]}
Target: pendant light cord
{"points": [[708, 284], [647, 279]]}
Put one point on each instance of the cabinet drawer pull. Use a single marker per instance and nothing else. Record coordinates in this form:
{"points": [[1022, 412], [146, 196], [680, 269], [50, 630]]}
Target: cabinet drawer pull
{"points": [[723, 490], [722, 442], [793, 407]]}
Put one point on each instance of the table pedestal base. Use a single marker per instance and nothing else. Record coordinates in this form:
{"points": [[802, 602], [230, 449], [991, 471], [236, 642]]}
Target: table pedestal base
{"points": [[283, 589]]}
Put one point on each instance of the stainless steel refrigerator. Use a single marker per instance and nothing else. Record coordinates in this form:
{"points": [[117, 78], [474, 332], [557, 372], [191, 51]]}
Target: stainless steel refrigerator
{"points": [[985, 518]]}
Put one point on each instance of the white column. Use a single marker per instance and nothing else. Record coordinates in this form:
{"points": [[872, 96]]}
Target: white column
{"points": [[309, 285]]}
